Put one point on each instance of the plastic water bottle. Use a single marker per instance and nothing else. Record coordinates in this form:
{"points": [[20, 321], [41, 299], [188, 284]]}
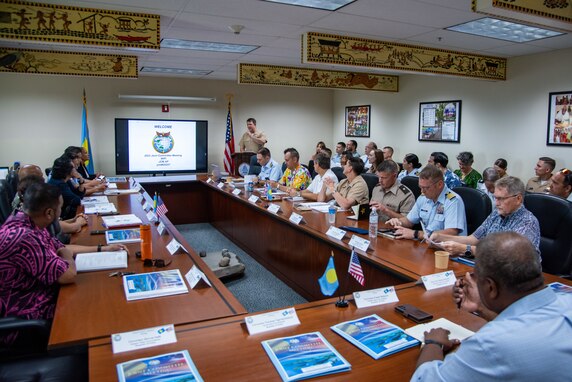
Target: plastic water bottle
{"points": [[373, 220], [332, 212]]}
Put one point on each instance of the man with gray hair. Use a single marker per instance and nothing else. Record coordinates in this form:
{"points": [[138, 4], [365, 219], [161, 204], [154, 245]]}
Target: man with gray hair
{"points": [[391, 198], [487, 183], [525, 339], [509, 215]]}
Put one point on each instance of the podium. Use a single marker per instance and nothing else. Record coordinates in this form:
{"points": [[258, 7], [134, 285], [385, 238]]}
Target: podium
{"points": [[242, 162]]}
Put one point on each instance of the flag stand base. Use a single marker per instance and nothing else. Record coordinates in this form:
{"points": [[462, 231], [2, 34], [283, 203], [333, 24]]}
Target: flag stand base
{"points": [[342, 303]]}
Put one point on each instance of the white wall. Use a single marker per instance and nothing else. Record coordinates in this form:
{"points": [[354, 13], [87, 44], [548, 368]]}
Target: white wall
{"points": [[41, 115], [499, 119]]}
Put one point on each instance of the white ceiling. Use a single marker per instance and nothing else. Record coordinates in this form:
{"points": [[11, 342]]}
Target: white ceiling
{"points": [[277, 28]]}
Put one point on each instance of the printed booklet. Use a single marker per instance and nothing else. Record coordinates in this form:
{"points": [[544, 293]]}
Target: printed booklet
{"points": [[176, 366], [120, 221], [560, 288], [97, 261], [304, 356], [128, 235], [154, 284], [375, 336]]}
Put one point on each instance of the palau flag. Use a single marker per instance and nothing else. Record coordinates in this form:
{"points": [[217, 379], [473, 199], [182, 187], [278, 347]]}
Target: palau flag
{"points": [[85, 136], [329, 280]]}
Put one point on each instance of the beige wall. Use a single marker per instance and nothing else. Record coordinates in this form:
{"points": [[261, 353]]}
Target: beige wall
{"points": [[41, 115], [499, 119]]}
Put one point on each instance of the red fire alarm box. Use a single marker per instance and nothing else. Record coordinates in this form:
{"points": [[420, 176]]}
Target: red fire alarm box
{"points": [[165, 108]]}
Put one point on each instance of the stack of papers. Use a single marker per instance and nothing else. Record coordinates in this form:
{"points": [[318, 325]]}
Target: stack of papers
{"points": [[154, 284], [94, 199], [457, 331], [304, 356], [99, 208], [375, 336], [121, 221], [96, 261]]}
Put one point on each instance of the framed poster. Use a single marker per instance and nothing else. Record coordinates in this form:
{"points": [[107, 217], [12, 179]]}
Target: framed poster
{"points": [[559, 131], [357, 121], [440, 121]]}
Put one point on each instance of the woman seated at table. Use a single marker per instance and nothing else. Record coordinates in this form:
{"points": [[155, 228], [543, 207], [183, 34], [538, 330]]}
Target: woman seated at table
{"points": [[411, 166], [468, 175], [350, 191], [375, 157], [501, 165]]}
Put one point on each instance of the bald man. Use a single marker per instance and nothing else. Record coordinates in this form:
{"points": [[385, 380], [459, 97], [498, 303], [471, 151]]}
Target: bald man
{"points": [[23, 172]]}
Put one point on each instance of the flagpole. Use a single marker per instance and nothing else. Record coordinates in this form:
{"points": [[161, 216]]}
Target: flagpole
{"points": [[342, 302]]}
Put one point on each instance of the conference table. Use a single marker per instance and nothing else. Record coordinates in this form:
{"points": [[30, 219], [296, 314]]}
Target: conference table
{"points": [[95, 305]]}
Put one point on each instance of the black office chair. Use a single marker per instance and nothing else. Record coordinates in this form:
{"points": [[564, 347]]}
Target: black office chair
{"points": [[412, 182], [372, 180], [5, 201], [31, 362], [12, 179], [477, 206], [254, 166], [339, 171], [554, 215]]}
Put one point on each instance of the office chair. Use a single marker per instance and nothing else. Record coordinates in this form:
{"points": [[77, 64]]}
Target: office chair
{"points": [[254, 166], [478, 206], [5, 201], [339, 171], [31, 362], [12, 179], [412, 182], [372, 180], [554, 215]]}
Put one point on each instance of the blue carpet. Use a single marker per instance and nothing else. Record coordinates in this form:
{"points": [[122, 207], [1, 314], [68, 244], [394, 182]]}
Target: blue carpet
{"points": [[258, 289]]}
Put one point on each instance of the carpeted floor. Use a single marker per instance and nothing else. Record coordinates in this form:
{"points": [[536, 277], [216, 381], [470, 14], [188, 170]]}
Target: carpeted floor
{"points": [[258, 289]]}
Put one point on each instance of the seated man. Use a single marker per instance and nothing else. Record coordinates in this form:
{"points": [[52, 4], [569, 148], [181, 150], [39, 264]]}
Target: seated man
{"points": [[61, 174], [85, 187], [487, 183], [32, 262], [351, 147], [350, 191], [438, 209], [296, 177], [509, 215], [441, 160], [322, 166], [387, 153], [391, 198], [337, 157], [527, 336], [543, 179], [562, 184], [270, 169]]}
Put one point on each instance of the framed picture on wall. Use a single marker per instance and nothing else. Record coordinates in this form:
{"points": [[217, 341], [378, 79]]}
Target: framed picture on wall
{"points": [[559, 131], [357, 121], [440, 121]]}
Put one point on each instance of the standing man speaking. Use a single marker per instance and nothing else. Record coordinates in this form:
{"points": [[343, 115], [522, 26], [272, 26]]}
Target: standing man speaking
{"points": [[252, 139]]}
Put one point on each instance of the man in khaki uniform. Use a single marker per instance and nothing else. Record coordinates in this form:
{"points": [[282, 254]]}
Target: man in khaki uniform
{"points": [[543, 179], [391, 198], [350, 191], [252, 139]]}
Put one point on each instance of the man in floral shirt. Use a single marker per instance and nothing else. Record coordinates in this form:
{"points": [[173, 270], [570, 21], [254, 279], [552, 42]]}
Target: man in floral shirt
{"points": [[296, 177]]}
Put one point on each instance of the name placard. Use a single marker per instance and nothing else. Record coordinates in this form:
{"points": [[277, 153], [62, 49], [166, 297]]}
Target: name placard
{"points": [[147, 206], [209, 180], [274, 208], [139, 198], [161, 228], [151, 216], [220, 185], [144, 338], [373, 297], [194, 275], [253, 199], [296, 218], [439, 280], [173, 246], [336, 233], [359, 243], [261, 323], [236, 191]]}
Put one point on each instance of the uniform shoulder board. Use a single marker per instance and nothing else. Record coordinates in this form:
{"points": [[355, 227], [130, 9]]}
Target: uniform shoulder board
{"points": [[404, 189], [450, 195]]}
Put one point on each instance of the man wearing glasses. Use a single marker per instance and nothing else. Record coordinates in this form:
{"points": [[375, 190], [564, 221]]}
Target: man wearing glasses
{"points": [[562, 184], [509, 215], [438, 209]]}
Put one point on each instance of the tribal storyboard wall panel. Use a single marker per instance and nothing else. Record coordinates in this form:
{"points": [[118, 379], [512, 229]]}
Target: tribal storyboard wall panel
{"points": [[552, 9], [315, 78], [62, 24], [79, 64], [353, 51]]}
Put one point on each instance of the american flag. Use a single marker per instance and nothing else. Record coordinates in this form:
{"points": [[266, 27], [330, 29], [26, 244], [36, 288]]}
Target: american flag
{"points": [[229, 144], [355, 269], [161, 209]]}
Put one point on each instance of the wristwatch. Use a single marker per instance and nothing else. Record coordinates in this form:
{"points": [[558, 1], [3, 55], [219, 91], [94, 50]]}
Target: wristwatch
{"points": [[468, 251], [416, 235], [432, 342]]}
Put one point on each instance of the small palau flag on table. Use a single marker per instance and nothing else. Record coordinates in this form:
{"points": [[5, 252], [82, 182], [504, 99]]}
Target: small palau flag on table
{"points": [[329, 280]]}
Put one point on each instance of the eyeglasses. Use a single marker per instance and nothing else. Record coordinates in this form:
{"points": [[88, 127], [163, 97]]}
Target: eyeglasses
{"points": [[425, 188], [503, 198], [565, 171], [157, 263]]}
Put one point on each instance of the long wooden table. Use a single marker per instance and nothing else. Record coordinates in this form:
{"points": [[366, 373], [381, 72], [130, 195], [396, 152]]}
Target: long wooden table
{"points": [[224, 351], [95, 305], [297, 254]]}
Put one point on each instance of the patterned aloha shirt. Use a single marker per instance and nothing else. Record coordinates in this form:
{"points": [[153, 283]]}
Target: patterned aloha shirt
{"points": [[471, 179], [299, 178]]}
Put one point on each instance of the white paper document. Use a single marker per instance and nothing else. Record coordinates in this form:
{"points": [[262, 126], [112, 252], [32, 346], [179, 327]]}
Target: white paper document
{"points": [[457, 331], [373, 297], [99, 208], [94, 199], [439, 280], [97, 261], [264, 322], [144, 338], [120, 220]]}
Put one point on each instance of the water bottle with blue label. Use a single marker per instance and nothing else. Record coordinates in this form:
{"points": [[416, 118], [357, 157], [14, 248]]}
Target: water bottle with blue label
{"points": [[373, 221]]}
